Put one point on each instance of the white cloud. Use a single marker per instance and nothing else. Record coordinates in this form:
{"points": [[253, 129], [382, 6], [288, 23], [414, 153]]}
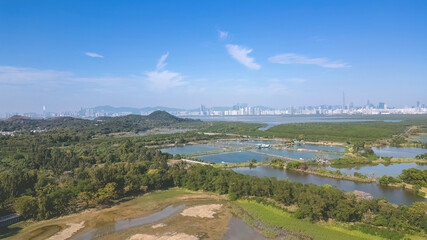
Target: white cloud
{"points": [[241, 55], [94, 55], [222, 35], [163, 79], [161, 64], [292, 58], [17, 75]]}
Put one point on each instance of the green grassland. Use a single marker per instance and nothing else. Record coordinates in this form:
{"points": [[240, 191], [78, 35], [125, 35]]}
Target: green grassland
{"points": [[338, 132], [275, 217], [367, 131]]}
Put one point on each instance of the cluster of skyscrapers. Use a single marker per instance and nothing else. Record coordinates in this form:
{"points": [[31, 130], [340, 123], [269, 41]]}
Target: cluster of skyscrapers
{"points": [[236, 110]]}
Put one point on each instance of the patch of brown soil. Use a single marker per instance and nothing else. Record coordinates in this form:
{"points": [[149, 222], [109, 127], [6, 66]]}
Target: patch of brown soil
{"points": [[68, 232], [166, 236], [202, 211]]}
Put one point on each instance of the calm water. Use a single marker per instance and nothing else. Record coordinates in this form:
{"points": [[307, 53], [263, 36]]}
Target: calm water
{"points": [[120, 225], [379, 170], [189, 149], [249, 143], [422, 137], [239, 230], [264, 153], [398, 152], [233, 157], [394, 195], [322, 148], [302, 155]]}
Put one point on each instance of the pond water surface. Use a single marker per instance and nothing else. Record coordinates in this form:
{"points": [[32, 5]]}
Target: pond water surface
{"points": [[379, 170], [189, 149], [394, 195], [399, 152], [322, 148], [422, 137], [239, 230], [294, 154], [233, 157], [120, 225]]}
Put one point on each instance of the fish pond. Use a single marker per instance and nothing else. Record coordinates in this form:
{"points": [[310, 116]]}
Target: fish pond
{"points": [[398, 152], [233, 157], [189, 149], [297, 154], [247, 150], [393, 195], [379, 170], [421, 137]]}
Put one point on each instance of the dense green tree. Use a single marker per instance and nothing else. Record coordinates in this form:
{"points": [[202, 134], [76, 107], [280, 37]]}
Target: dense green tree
{"points": [[26, 206]]}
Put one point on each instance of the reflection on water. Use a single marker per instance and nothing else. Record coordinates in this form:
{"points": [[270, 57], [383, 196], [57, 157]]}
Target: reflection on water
{"points": [[421, 137], [189, 149], [379, 170], [399, 152], [120, 225], [322, 148], [394, 195], [233, 157], [239, 230], [264, 153], [302, 155], [245, 143]]}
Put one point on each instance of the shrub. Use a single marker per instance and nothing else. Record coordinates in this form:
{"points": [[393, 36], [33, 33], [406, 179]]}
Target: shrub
{"points": [[26, 206]]}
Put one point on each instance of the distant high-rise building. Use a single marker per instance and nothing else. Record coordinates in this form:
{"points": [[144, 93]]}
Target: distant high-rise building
{"points": [[381, 105], [418, 104], [202, 110], [343, 100]]}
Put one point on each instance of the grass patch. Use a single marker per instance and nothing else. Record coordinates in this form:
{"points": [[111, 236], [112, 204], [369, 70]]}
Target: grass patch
{"points": [[279, 218], [338, 132]]}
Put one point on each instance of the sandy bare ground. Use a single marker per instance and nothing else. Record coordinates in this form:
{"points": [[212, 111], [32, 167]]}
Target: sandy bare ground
{"points": [[167, 236], [202, 211], [68, 232], [159, 225]]}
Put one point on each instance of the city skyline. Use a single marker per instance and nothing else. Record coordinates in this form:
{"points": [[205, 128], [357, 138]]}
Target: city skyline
{"points": [[65, 55], [239, 109]]}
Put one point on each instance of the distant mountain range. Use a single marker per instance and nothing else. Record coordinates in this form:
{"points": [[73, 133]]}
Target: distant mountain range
{"points": [[111, 109], [128, 123]]}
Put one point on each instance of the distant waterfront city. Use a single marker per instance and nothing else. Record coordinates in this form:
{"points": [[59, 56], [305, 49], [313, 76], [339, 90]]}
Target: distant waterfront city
{"points": [[236, 110]]}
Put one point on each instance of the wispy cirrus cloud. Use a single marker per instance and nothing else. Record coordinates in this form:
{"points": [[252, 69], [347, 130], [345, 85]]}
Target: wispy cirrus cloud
{"points": [[222, 35], [94, 55], [161, 79], [241, 55], [292, 58], [20, 75]]}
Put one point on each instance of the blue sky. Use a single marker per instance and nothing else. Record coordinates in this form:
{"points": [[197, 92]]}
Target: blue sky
{"points": [[72, 54]]}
